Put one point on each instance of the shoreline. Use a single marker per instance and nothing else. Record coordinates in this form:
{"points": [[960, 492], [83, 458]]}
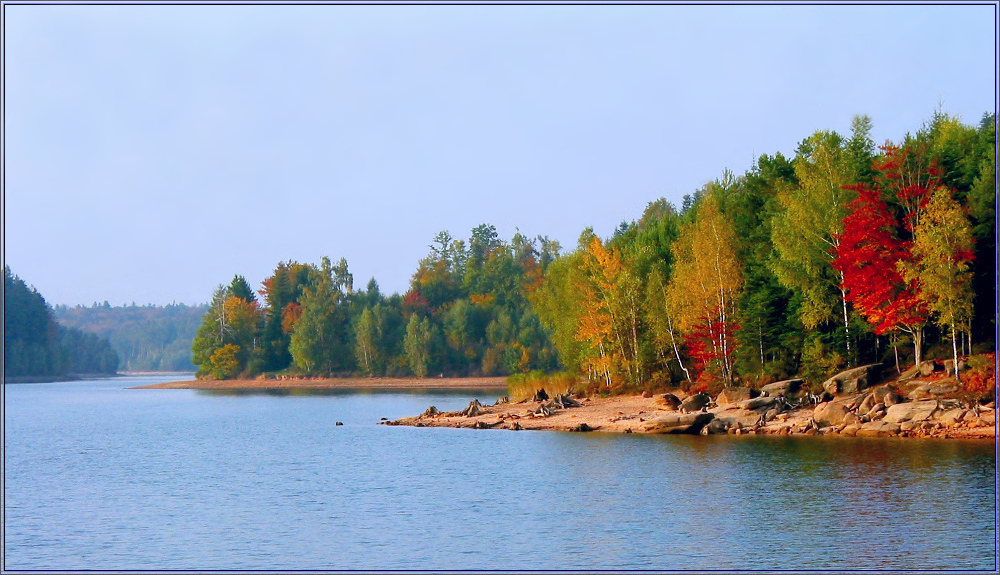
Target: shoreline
{"points": [[498, 384], [649, 415]]}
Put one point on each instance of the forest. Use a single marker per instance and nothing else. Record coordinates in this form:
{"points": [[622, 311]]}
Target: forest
{"points": [[35, 345], [845, 254], [146, 338]]}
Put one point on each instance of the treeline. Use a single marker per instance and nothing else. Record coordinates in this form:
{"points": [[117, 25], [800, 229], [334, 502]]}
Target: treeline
{"points": [[34, 345], [846, 253], [467, 313], [146, 338]]}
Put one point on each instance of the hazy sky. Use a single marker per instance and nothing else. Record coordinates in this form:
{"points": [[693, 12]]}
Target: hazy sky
{"points": [[152, 152]]}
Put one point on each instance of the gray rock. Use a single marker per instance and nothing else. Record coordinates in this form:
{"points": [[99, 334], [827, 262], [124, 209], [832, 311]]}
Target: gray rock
{"points": [[943, 389], [928, 367], [875, 411], [787, 388], [911, 411], [716, 426], [851, 429], [853, 380], [731, 395], [678, 423], [868, 403], [830, 413], [695, 403], [892, 398], [668, 401], [952, 416], [875, 429], [757, 402], [737, 417]]}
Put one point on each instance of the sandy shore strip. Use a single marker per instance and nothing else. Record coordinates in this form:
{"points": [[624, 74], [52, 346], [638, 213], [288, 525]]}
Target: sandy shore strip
{"points": [[637, 414], [493, 384]]}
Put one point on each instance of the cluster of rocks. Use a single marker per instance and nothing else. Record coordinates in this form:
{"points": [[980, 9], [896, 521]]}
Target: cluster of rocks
{"points": [[849, 406], [546, 408]]}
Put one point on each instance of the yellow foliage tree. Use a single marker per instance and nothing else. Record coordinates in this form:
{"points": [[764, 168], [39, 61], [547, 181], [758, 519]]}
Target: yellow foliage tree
{"points": [[707, 277]]}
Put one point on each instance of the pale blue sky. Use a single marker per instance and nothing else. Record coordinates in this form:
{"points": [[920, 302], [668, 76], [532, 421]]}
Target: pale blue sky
{"points": [[152, 152]]}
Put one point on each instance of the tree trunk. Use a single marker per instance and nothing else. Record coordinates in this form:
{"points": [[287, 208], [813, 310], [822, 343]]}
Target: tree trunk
{"points": [[954, 351]]}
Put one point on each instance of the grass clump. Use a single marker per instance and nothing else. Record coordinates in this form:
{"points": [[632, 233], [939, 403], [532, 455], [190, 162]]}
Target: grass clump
{"points": [[521, 386]]}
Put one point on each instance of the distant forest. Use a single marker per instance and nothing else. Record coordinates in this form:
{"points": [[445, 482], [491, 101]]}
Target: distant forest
{"points": [[847, 253], [146, 338], [34, 345]]}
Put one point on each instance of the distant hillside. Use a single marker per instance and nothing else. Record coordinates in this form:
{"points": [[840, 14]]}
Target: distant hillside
{"points": [[147, 338]]}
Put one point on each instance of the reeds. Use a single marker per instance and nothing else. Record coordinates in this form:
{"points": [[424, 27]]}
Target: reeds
{"points": [[521, 386]]}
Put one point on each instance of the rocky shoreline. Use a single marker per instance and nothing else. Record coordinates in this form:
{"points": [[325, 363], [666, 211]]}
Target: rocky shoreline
{"points": [[908, 407]]}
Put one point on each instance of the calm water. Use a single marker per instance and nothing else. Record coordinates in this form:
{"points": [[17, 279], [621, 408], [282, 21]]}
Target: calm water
{"points": [[101, 477]]}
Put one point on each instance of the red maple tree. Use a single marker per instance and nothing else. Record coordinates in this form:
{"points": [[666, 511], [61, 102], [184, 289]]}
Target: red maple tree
{"points": [[874, 242]]}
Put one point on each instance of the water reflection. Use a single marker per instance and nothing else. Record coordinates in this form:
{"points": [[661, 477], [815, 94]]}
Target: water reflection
{"points": [[209, 480]]}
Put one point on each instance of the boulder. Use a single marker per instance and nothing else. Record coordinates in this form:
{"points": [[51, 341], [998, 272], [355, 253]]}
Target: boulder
{"points": [[851, 429], [876, 411], [731, 395], [431, 412], [910, 411], [868, 403], [695, 403], [757, 402], [737, 417], [787, 388], [716, 426], [952, 416], [678, 423], [853, 380], [918, 392], [668, 401], [875, 429], [830, 413], [892, 398], [943, 389], [852, 418], [930, 366]]}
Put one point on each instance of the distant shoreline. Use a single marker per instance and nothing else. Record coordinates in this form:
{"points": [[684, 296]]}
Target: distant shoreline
{"points": [[484, 383], [56, 378]]}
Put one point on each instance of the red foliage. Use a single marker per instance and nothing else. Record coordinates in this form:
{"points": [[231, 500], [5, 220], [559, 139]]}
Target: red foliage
{"points": [[414, 302], [867, 256], [901, 175], [982, 379], [705, 348]]}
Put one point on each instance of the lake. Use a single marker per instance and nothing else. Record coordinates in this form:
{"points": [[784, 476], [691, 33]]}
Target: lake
{"points": [[101, 477]]}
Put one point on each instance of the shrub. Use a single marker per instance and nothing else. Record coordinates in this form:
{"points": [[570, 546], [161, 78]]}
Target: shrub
{"points": [[980, 379]]}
